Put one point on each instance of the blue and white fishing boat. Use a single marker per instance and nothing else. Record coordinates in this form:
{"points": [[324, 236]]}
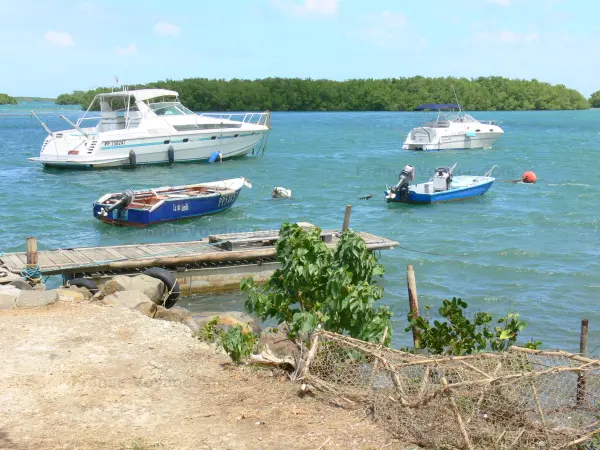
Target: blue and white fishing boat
{"points": [[442, 187], [147, 207]]}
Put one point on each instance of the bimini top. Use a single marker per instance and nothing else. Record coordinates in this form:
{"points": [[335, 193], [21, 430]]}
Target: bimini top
{"points": [[142, 94], [436, 106]]}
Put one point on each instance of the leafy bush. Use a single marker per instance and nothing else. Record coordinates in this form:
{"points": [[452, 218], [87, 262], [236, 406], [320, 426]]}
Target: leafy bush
{"points": [[237, 343], [318, 285], [457, 335], [209, 333]]}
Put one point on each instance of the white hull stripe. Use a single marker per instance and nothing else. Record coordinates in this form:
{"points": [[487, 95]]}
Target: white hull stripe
{"points": [[178, 141]]}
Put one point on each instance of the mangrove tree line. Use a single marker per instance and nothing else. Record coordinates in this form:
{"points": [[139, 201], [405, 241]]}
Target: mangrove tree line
{"points": [[390, 94], [595, 100], [6, 99]]}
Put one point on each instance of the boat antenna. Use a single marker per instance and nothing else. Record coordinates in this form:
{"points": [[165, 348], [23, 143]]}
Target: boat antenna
{"points": [[456, 98]]}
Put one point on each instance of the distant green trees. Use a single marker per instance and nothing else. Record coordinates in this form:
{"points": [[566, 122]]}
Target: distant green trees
{"points": [[6, 99], [390, 94], [595, 100]]}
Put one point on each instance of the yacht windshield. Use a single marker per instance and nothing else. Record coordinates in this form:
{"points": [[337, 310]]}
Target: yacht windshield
{"points": [[169, 109]]}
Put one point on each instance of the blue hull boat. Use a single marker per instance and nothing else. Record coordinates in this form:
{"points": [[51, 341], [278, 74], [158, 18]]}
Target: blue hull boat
{"points": [[442, 187], [147, 207]]}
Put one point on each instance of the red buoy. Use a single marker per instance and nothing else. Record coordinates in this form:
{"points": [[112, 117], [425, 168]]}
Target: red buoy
{"points": [[529, 177]]}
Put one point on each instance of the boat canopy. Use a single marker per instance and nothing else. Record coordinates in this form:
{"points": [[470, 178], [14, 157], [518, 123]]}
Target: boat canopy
{"points": [[436, 106], [141, 94]]}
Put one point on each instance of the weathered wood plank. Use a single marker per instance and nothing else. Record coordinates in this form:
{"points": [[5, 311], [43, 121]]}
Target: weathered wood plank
{"points": [[116, 254], [98, 255], [148, 250], [12, 262], [78, 257], [131, 252]]}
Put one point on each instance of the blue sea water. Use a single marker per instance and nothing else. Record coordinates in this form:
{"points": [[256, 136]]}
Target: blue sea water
{"points": [[531, 249]]}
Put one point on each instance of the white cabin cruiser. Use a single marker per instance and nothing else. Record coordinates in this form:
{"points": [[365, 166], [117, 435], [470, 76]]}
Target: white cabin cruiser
{"points": [[150, 126], [451, 131]]}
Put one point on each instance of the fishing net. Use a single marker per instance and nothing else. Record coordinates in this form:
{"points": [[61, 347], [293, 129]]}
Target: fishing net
{"points": [[518, 399]]}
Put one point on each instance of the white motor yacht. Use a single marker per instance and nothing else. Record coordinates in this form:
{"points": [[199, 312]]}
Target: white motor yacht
{"points": [[151, 126], [451, 131]]}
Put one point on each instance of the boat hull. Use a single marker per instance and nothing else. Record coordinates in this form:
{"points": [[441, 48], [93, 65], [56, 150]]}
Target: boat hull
{"points": [[455, 194], [156, 151], [455, 142], [170, 210], [450, 195]]}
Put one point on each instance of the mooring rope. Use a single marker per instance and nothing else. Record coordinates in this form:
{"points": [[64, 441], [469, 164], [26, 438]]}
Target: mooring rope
{"points": [[436, 254], [31, 272]]}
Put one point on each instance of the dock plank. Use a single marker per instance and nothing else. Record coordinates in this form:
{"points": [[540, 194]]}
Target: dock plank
{"points": [[12, 262], [247, 245], [79, 257], [116, 254], [59, 257], [131, 252]]}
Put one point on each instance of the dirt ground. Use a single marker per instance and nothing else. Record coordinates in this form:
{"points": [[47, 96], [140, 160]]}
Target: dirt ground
{"points": [[92, 377]]}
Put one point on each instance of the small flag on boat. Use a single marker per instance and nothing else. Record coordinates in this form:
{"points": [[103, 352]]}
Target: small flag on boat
{"points": [[117, 80]]}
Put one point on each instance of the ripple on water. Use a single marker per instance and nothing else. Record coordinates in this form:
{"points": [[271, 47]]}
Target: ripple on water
{"points": [[532, 249]]}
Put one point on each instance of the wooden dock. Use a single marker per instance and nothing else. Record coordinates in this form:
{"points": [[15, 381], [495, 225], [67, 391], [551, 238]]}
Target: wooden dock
{"points": [[215, 254]]}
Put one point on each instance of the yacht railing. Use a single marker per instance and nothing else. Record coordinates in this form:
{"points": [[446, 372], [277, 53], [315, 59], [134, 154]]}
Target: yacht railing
{"points": [[263, 118], [80, 121]]}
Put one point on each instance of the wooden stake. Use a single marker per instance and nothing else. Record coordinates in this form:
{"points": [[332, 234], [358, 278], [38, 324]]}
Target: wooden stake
{"points": [[456, 412], [347, 217], [32, 252], [540, 412], [314, 343], [583, 351], [413, 301], [376, 363]]}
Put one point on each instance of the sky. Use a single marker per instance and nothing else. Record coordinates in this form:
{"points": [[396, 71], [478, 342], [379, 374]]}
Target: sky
{"points": [[48, 47]]}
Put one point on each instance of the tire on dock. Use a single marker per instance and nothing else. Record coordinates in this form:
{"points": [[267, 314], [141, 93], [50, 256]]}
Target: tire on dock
{"points": [[85, 283], [170, 281]]}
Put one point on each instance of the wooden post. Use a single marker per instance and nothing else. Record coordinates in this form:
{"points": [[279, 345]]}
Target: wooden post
{"points": [[413, 301], [32, 252], [583, 351], [347, 218]]}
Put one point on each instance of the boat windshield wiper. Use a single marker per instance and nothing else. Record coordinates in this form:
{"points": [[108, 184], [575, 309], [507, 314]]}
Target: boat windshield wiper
{"points": [[74, 126]]}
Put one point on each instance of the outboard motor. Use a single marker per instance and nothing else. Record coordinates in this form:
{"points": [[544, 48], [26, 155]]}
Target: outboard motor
{"points": [[404, 180], [442, 179], [123, 202]]}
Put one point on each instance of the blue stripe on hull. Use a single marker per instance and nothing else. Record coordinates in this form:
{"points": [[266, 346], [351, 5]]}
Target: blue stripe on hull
{"points": [[452, 194], [170, 210]]}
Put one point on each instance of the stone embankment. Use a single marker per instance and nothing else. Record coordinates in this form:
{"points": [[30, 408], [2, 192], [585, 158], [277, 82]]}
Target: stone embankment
{"points": [[142, 293]]}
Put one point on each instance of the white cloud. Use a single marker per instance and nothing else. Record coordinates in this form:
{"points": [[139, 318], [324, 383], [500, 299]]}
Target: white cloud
{"points": [[131, 49], [508, 37], [166, 29], [384, 30], [59, 38], [501, 2], [308, 7]]}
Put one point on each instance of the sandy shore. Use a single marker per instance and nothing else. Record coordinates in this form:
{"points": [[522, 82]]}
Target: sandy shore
{"points": [[85, 376]]}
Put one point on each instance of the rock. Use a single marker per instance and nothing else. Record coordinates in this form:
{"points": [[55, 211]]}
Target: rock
{"points": [[32, 299], [126, 299], [6, 276], [177, 314], [97, 296], [228, 319], [22, 285], [147, 309], [39, 287], [74, 294], [276, 341], [8, 296], [153, 288]]}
